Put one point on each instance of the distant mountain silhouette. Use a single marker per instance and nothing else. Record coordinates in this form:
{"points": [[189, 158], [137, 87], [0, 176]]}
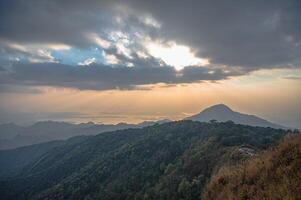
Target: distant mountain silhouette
{"points": [[223, 113], [13, 136]]}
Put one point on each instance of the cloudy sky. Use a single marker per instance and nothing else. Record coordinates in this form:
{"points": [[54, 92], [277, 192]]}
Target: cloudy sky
{"points": [[133, 60]]}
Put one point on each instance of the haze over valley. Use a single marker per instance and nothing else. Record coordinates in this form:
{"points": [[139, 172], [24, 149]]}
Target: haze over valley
{"points": [[12, 135]]}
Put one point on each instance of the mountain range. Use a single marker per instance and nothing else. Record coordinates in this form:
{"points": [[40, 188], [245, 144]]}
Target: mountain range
{"points": [[13, 136]]}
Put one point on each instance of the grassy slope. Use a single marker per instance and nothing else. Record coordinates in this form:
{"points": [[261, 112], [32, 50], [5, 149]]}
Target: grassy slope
{"points": [[276, 174]]}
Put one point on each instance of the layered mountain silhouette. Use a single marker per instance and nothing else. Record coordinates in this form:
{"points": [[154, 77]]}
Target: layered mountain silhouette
{"points": [[223, 113], [13, 136]]}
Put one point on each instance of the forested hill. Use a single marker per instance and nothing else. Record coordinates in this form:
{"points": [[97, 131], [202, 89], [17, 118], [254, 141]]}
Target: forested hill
{"points": [[169, 161]]}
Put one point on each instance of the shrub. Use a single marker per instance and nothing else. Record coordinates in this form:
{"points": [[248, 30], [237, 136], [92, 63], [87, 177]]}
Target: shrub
{"points": [[275, 174]]}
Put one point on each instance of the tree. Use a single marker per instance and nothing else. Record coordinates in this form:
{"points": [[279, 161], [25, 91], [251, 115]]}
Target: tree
{"points": [[184, 189]]}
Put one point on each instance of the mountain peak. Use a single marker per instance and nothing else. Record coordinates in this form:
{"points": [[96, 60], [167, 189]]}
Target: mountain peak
{"points": [[223, 113], [219, 107]]}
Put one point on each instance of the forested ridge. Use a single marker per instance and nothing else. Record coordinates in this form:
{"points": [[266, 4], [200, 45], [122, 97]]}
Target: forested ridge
{"points": [[170, 161]]}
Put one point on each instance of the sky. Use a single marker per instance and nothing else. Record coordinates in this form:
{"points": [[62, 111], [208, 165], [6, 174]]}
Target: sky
{"points": [[111, 61]]}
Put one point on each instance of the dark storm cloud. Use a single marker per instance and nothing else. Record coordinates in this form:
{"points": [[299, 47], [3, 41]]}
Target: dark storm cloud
{"points": [[52, 21], [254, 34], [61, 21], [102, 77], [244, 35]]}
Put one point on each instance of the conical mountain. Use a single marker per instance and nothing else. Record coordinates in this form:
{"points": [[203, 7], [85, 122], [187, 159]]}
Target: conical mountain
{"points": [[222, 113]]}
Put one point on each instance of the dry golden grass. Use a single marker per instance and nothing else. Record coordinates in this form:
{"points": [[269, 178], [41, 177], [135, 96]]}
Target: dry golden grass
{"points": [[273, 175]]}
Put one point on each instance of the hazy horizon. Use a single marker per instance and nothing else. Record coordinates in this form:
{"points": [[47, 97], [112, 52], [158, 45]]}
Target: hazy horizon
{"points": [[89, 119]]}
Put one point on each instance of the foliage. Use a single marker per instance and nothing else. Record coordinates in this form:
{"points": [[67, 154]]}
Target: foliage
{"points": [[274, 175], [169, 161]]}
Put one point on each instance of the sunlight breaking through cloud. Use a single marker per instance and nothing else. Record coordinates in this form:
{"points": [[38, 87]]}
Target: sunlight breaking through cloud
{"points": [[175, 55]]}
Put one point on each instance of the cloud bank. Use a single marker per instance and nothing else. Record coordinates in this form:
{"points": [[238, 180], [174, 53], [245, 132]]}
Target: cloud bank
{"points": [[105, 44]]}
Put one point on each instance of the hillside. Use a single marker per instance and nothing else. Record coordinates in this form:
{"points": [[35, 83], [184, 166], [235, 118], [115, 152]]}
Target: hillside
{"points": [[169, 161], [223, 113], [274, 175]]}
